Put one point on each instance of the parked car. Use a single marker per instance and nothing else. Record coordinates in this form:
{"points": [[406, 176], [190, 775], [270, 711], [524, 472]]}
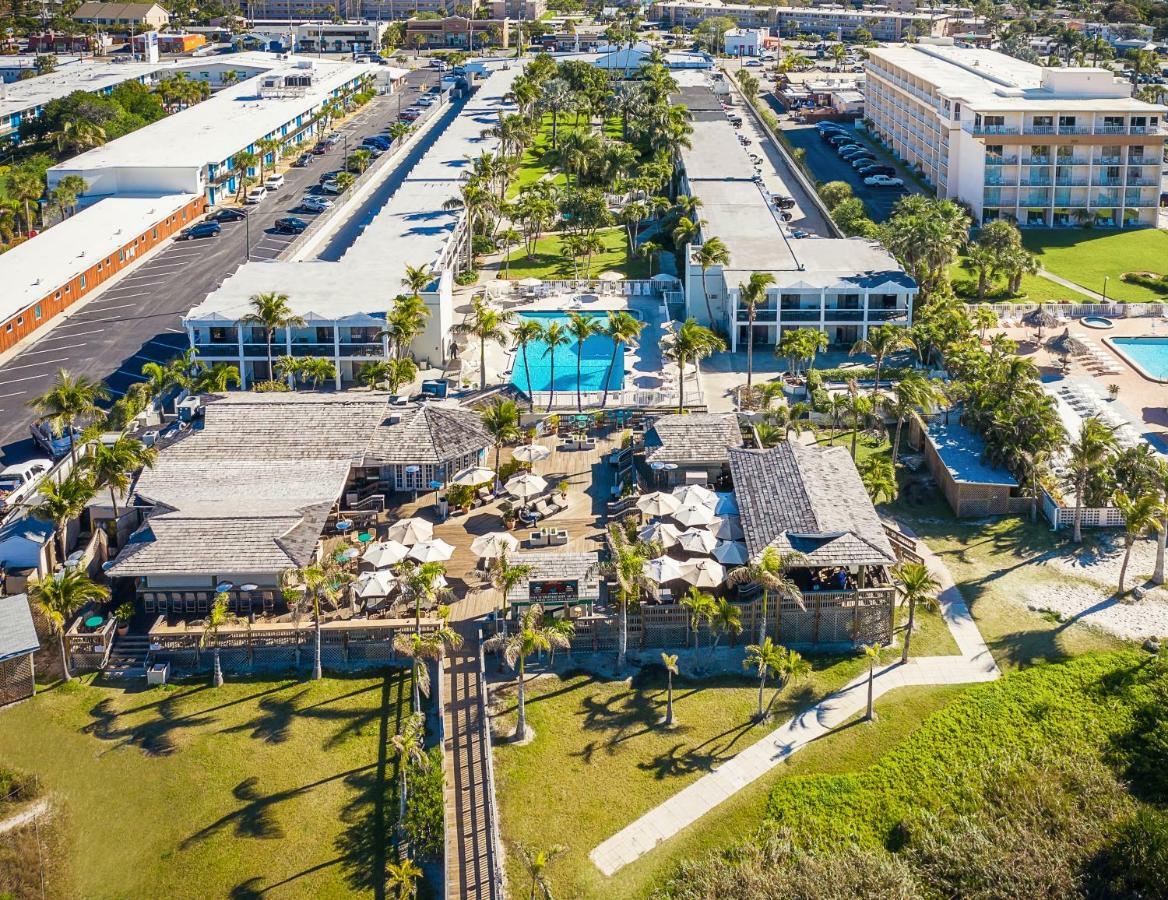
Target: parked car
{"points": [[328, 176], [274, 182], [754, 63], [799, 233], [289, 225], [332, 187], [332, 140], [255, 195], [850, 153], [840, 140], [410, 114], [378, 140], [783, 202], [425, 101], [875, 169], [785, 216], [20, 480], [227, 214], [56, 445], [304, 160], [202, 230], [841, 149], [320, 148], [859, 162], [314, 204], [883, 181]]}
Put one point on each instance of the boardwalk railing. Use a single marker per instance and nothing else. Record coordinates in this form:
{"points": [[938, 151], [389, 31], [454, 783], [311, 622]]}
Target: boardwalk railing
{"points": [[1077, 310], [443, 737], [633, 397], [497, 886]]}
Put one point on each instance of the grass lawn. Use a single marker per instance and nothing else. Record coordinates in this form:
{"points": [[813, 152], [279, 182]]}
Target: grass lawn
{"points": [[1034, 288], [550, 263], [1086, 255], [260, 786]]}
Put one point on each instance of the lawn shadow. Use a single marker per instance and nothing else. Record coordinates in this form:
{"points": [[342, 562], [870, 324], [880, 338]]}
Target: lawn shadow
{"points": [[273, 722]]}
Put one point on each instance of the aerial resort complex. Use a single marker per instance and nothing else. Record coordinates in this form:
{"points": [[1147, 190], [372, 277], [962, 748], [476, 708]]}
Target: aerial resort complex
{"points": [[671, 451]]}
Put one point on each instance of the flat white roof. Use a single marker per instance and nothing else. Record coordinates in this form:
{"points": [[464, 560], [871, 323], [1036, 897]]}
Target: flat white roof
{"points": [[37, 267], [90, 76]]}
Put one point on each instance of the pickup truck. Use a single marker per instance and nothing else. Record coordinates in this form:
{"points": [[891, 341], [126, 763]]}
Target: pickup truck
{"points": [[20, 480]]}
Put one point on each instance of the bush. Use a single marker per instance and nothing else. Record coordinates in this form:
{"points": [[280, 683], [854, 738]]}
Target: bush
{"points": [[1149, 280], [483, 245], [852, 220], [820, 399], [270, 387], [465, 278], [833, 193], [423, 822]]}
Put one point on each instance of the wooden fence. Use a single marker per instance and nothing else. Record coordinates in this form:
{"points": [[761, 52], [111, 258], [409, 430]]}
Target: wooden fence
{"points": [[88, 651]]}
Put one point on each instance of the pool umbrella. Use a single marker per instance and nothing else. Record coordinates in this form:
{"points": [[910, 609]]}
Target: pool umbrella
{"points": [[703, 573], [662, 569], [660, 533], [730, 553], [387, 553], [432, 551], [610, 275], [727, 504], [530, 282], [697, 540], [474, 476], [375, 584], [530, 453], [690, 494], [658, 503], [694, 514], [410, 531], [526, 486], [663, 278], [726, 528], [493, 544]]}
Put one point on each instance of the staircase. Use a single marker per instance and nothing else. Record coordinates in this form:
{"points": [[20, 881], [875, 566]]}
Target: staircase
{"points": [[127, 657]]}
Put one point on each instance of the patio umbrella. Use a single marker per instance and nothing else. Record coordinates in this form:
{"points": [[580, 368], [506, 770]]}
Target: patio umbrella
{"points": [[690, 494], [375, 584], [526, 486], [662, 569], [410, 531], [660, 533], [663, 278], [726, 528], [694, 514], [697, 540], [730, 553], [610, 275], [493, 544], [432, 551], [658, 503], [474, 476], [530, 281], [727, 504], [703, 573], [530, 453], [387, 553]]}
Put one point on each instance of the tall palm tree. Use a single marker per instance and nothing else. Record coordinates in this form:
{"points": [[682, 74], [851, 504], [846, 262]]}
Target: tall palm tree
{"points": [[407, 746], [882, 340], [536, 863], [113, 465], [507, 239], [532, 636], [768, 658], [556, 97], [1087, 455], [62, 502], [506, 575], [692, 343], [913, 394], [753, 295], [917, 586], [872, 653], [399, 372], [701, 607], [487, 324], [712, 252], [57, 597], [218, 616], [627, 568], [524, 333], [771, 572], [501, 420], [861, 409], [622, 329], [68, 404], [420, 583], [554, 336], [1162, 531], [648, 249], [320, 581], [669, 660], [419, 648], [25, 185], [879, 478], [271, 310], [684, 232], [1140, 514], [581, 327]]}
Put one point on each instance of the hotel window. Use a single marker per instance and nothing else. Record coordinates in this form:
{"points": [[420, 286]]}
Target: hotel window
{"points": [[20, 320], [37, 311], [57, 295], [1066, 121], [1039, 153], [81, 282], [8, 327], [154, 236], [994, 151]]}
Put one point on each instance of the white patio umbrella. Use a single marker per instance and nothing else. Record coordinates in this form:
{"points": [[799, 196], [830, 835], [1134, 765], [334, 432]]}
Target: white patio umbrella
{"points": [[387, 553], [660, 533], [658, 503], [474, 476], [730, 553], [697, 540], [410, 531], [694, 514], [493, 544], [726, 528], [526, 486], [663, 278], [432, 551], [703, 573], [530, 281], [375, 584], [695, 493], [610, 275], [662, 569], [530, 453]]}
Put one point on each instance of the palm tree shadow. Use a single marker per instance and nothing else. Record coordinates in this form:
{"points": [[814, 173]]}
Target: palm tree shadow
{"points": [[155, 737], [273, 723]]}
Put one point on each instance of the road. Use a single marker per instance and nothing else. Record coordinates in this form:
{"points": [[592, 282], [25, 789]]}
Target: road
{"points": [[137, 318]]}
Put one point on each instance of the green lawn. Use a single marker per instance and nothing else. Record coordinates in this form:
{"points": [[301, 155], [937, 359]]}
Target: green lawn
{"points": [[1034, 288], [260, 786], [1085, 256], [550, 263]]}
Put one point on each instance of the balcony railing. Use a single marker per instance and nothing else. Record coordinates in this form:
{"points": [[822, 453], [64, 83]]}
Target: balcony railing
{"points": [[760, 315], [843, 315], [307, 349], [989, 130], [261, 350], [1001, 160], [1036, 182], [886, 315], [1036, 160], [356, 348], [800, 315]]}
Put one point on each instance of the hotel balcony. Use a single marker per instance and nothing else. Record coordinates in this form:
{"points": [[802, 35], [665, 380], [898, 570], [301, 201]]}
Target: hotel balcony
{"points": [[1049, 130], [1001, 160]]}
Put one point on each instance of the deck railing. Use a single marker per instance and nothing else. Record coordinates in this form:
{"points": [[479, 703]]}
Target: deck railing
{"points": [[498, 889], [1078, 310]]}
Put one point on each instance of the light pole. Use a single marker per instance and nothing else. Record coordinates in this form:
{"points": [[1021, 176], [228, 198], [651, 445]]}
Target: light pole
{"points": [[247, 238], [1106, 278]]}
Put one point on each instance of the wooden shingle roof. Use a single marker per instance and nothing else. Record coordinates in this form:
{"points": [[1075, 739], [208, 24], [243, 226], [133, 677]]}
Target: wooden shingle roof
{"points": [[426, 434], [701, 437], [17, 632]]}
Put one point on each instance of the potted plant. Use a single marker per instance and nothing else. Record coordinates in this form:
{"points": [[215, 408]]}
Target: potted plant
{"points": [[1113, 391], [123, 614], [461, 496], [562, 487], [553, 424], [507, 511]]}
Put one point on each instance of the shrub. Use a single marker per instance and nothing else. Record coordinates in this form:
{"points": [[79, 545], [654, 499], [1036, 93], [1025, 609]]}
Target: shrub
{"points": [[270, 387], [465, 278], [820, 399], [1149, 280], [423, 822], [834, 193]]}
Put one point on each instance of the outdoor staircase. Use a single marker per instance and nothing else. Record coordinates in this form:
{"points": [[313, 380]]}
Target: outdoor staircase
{"points": [[127, 657]]}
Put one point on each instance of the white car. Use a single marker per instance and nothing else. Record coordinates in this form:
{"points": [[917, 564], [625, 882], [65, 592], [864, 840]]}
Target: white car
{"points": [[316, 204], [20, 480], [255, 195], [274, 182], [882, 181], [331, 187]]}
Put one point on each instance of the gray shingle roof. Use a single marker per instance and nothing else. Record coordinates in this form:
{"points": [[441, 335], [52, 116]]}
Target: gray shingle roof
{"points": [[427, 434], [702, 437], [17, 632], [810, 500]]}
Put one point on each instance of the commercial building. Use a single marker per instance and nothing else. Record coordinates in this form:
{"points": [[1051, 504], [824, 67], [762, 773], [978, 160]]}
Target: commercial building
{"points": [[517, 9], [124, 15], [177, 42], [838, 286], [193, 151], [346, 11], [788, 21], [744, 41], [457, 32], [52, 271], [344, 302], [1042, 146], [318, 37]]}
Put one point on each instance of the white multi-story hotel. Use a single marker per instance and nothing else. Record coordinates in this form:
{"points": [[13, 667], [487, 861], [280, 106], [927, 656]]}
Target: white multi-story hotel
{"points": [[1043, 146]]}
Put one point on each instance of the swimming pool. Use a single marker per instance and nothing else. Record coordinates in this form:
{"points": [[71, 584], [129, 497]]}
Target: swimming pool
{"points": [[594, 361], [1147, 354]]}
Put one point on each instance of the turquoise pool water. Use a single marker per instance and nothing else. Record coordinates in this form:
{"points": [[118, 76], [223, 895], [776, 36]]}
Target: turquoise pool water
{"points": [[594, 361], [1148, 353]]}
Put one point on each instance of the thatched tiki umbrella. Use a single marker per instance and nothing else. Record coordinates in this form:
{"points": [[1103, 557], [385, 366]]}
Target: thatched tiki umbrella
{"points": [[1042, 319]]}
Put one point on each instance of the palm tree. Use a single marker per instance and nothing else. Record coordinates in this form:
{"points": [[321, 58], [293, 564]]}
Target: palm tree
{"points": [[916, 585], [407, 747], [669, 660], [879, 478], [911, 395], [648, 249], [622, 329], [317, 369], [556, 97], [554, 335], [526, 332], [508, 238], [402, 878], [536, 863], [982, 317], [771, 573], [1140, 513], [487, 324], [71, 401], [215, 379], [1087, 454], [62, 502], [701, 606], [712, 252], [271, 310], [320, 581], [112, 465], [1162, 531], [398, 372], [684, 232], [692, 343], [753, 295], [58, 597], [419, 648], [860, 407], [532, 636], [872, 653], [882, 340], [217, 617], [627, 568], [505, 576], [25, 184], [420, 583], [726, 619], [501, 420], [581, 327], [769, 658]]}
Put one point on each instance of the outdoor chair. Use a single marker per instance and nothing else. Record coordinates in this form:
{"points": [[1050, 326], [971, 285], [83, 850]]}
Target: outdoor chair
{"points": [[558, 502], [485, 495], [544, 508]]}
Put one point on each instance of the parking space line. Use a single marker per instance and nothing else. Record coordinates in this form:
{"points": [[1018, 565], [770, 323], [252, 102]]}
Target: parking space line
{"points": [[4, 384]]}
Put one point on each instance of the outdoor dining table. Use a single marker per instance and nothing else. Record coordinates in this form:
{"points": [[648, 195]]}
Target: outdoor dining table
{"points": [[94, 622]]}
